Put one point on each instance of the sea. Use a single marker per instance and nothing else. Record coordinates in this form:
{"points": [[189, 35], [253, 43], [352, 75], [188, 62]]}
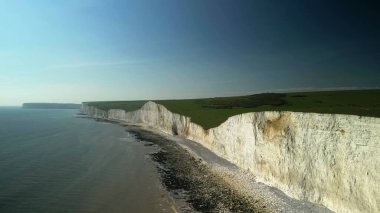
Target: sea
{"points": [[51, 160]]}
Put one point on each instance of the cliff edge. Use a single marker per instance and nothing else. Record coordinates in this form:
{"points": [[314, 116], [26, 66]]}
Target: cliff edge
{"points": [[327, 159]]}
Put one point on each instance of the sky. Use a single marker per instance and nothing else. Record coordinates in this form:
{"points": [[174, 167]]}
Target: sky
{"points": [[87, 50]]}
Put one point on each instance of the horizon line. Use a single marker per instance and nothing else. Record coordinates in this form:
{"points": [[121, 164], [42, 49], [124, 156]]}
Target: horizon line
{"points": [[304, 89]]}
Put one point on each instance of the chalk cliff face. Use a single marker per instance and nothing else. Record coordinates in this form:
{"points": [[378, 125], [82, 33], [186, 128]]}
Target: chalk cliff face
{"points": [[333, 160]]}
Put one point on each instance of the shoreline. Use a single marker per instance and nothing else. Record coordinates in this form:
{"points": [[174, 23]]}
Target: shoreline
{"points": [[189, 178], [206, 182], [285, 150]]}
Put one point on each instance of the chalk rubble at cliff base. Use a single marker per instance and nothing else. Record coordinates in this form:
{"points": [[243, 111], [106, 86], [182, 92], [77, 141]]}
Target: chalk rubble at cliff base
{"points": [[331, 160], [189, 178], [257, 197]]}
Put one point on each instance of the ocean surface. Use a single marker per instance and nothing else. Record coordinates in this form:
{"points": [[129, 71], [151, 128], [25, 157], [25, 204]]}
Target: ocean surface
{"points": [[52, 161]]}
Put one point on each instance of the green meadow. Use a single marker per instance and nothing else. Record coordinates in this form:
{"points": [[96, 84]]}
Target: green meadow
{"points": [[211, 112]]}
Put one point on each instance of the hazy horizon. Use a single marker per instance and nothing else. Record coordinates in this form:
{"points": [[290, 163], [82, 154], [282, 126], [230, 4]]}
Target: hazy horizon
{"points": [[249, 93], [75, 51]]}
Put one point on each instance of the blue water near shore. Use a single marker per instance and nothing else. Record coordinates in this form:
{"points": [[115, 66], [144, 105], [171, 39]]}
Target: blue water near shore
{"points": [[52, 161]]}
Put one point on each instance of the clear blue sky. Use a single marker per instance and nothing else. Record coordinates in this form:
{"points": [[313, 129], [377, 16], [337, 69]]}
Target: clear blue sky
{"points": [[83, 50]]}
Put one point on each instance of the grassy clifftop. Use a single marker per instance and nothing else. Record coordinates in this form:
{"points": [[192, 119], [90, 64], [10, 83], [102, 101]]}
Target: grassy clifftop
{"points": [[211, 112]]}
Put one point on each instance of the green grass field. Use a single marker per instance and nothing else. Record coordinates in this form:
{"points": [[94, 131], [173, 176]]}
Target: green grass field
{"points": [[211, 112]]}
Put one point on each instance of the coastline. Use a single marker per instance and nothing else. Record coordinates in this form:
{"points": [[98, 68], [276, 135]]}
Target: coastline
{"points": [[189, 178], [284, 150], [200, 181]]}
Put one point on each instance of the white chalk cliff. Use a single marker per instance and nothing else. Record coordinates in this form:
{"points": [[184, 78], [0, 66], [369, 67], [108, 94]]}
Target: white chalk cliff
{"points": [[333, 160]]}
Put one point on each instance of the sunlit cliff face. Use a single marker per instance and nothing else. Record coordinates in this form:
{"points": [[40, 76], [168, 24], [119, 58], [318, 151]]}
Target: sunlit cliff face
{"points": [[322, 158]]}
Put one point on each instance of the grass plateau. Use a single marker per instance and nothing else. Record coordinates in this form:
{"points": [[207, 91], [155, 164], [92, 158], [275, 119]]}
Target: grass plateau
{"points": [[211, 112]]}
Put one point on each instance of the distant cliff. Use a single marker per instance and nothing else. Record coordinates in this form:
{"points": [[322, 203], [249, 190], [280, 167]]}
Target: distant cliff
{"points": [[328, 159], [50, 106]]}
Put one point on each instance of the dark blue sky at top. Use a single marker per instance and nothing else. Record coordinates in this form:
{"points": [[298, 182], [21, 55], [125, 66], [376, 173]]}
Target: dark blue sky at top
{"points": [[106, 50]]}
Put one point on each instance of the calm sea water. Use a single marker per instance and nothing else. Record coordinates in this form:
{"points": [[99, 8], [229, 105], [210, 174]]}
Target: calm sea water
{"points": [[51, 161]]}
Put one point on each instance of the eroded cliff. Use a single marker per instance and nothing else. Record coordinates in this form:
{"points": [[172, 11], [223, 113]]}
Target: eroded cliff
{"points": [[328, 159]]}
